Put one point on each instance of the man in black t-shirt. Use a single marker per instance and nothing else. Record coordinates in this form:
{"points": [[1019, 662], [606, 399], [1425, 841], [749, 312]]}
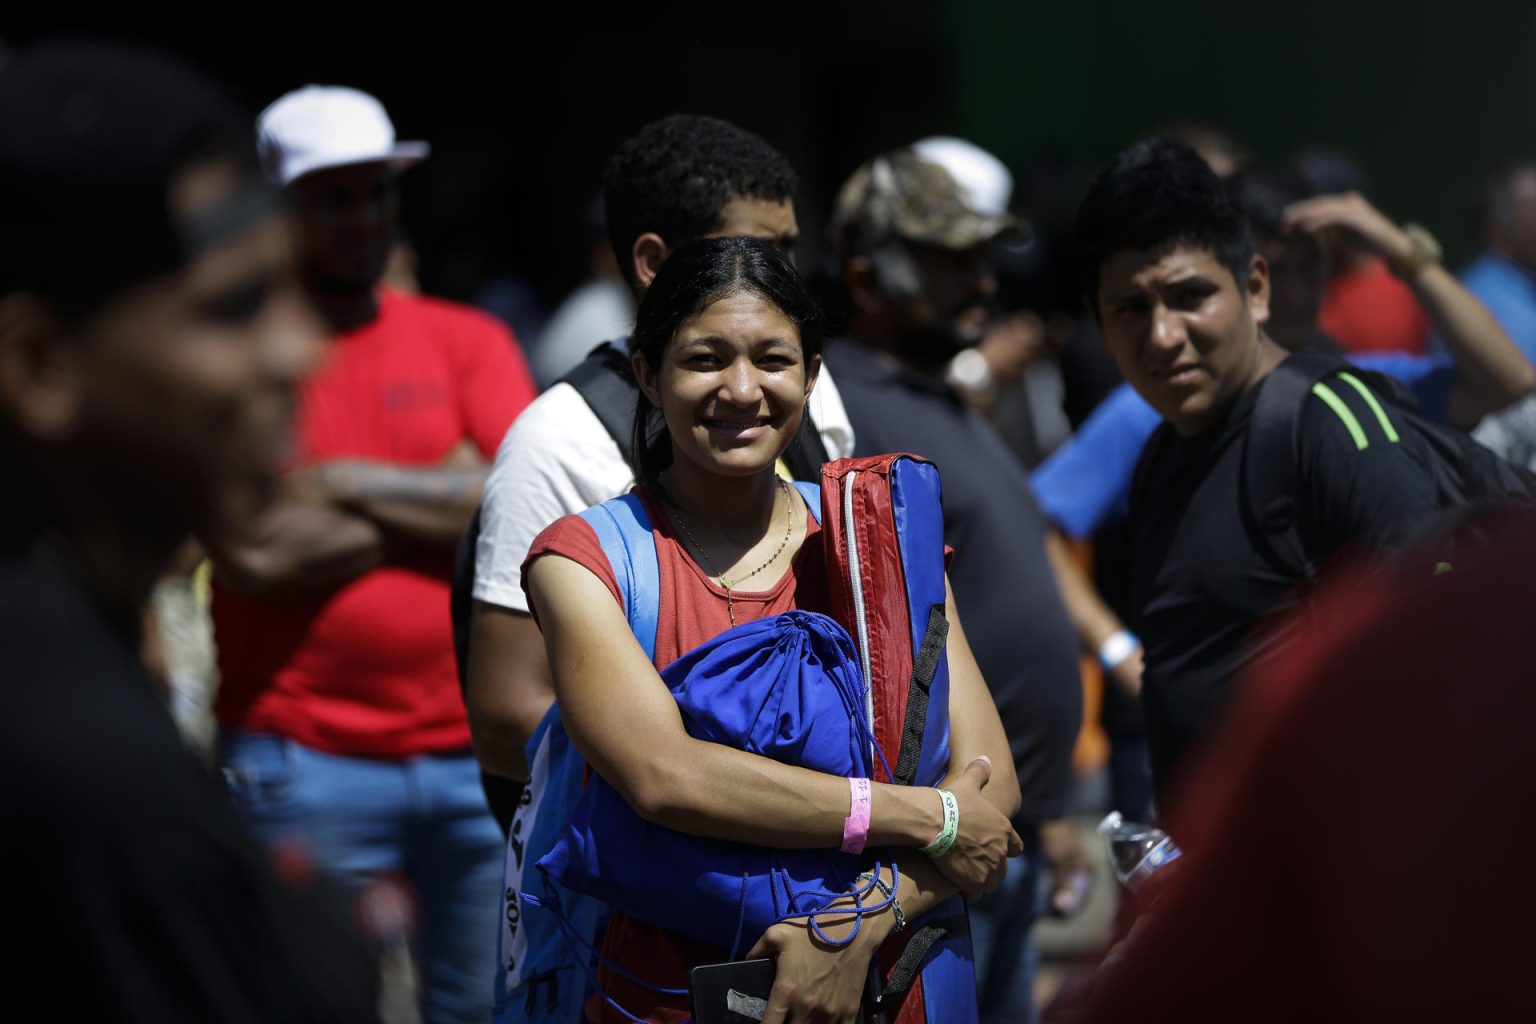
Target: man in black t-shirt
{"points": [[150, 335], [1181, 298], [913, 251]]}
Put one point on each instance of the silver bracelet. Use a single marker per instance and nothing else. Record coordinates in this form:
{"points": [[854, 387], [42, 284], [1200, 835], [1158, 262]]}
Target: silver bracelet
{"points": [[885, 890]]}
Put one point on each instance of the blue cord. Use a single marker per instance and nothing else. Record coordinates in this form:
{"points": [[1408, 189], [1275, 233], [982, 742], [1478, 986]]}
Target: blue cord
{"points": [[741, 919]]}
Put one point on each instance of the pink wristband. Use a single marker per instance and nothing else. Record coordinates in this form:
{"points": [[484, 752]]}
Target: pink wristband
{"points": [[856, 825]]}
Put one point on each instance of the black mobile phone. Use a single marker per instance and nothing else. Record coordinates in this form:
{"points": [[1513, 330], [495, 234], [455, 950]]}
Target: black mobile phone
{"points": [[731, 993]]}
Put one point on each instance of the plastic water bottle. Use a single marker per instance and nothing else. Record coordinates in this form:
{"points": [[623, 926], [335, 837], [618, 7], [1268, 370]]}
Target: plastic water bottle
{"points": [[1136, 851]]}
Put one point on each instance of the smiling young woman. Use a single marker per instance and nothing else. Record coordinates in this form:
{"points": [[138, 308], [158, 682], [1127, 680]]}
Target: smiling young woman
{"points": [[730, 387], [726, 350]]}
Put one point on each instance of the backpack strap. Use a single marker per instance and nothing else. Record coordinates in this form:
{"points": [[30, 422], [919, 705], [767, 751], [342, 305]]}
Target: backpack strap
{"points": [[623, 528], [461, 594], [1270, 463], [605, 382], [811, 492], [919, 688], [910, 963]]}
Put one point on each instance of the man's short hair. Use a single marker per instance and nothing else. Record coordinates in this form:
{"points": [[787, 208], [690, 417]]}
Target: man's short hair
{"points": [[1156, 196], [92, 137], [676, 175]]}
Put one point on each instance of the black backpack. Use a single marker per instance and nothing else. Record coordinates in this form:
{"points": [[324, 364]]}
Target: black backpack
{"points": [[1473, 484], [606, 383]]}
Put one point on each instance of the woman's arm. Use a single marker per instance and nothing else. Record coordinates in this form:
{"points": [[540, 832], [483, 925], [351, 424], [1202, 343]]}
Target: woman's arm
{"points": [[623, 720]]}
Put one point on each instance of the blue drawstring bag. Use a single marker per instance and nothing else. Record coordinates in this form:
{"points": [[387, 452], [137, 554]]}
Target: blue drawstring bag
{"points": [[787, 687]]}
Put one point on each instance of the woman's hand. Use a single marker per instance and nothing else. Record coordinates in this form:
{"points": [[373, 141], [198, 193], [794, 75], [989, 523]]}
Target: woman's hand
{"points": [[979, 859], [815, 983]]}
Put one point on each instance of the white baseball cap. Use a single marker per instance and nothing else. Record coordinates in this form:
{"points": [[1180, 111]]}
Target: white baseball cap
{"points": [[983, 176], [321, 126]]}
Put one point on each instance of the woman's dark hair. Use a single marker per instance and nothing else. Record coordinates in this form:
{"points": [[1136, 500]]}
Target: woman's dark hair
{"points": [[1154, 196], [693, 277]]}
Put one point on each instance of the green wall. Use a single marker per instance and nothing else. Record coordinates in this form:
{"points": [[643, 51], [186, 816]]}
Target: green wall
{"points": [[1426, 95]]}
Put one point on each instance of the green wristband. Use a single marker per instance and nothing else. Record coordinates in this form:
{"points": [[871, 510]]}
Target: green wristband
{"points": [[946, 837]]}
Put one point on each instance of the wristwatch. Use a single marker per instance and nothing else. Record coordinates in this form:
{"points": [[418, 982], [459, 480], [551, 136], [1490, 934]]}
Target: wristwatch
{"points": [[1423, 250], [969, 373]]}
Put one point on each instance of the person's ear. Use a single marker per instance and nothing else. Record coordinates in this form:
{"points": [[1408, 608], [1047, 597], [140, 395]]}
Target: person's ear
{"points": [[646, 256], [646, 378], [812, 374], [1258, 289], [862, 283], [41, 384]]}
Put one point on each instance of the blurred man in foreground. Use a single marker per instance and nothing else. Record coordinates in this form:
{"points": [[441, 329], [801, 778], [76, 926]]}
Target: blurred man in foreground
{"points": [[150, 333], [1354, 847]]}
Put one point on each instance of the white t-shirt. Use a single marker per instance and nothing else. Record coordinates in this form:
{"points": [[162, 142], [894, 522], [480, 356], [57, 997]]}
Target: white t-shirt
{"points": [[557, 459]]}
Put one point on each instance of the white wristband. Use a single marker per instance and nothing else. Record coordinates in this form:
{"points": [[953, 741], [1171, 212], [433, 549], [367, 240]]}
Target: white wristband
{"points": [[1117, 648]]}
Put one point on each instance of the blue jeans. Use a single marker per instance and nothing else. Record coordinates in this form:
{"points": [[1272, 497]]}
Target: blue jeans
{"points": [[1000, 927], [424, 818]]}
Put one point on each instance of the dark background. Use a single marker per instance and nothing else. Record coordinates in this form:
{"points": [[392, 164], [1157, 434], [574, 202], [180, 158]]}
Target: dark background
{"points": [[523, 104]]}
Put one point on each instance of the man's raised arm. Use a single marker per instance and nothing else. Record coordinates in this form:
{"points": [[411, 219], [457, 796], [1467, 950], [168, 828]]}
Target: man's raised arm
{"points": [[1491, 371]]}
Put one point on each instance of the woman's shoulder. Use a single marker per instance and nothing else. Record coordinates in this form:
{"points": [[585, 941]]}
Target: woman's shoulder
{"points": [[564, 531], [592, 536], [573, 537]]}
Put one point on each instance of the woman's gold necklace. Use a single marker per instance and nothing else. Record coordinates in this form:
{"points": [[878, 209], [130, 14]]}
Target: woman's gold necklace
{"points": [[730, 607]]}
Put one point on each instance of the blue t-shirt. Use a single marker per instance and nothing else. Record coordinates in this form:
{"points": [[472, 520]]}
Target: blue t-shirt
{"points": [[1509, 292], [1086, 483]]}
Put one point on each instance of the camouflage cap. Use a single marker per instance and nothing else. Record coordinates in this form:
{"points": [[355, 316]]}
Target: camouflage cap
{"points": [[901, 195]]}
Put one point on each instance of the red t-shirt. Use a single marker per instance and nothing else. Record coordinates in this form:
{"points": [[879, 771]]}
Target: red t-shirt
{"points": [[368, 670], [693, 610], [1369, 310]]}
